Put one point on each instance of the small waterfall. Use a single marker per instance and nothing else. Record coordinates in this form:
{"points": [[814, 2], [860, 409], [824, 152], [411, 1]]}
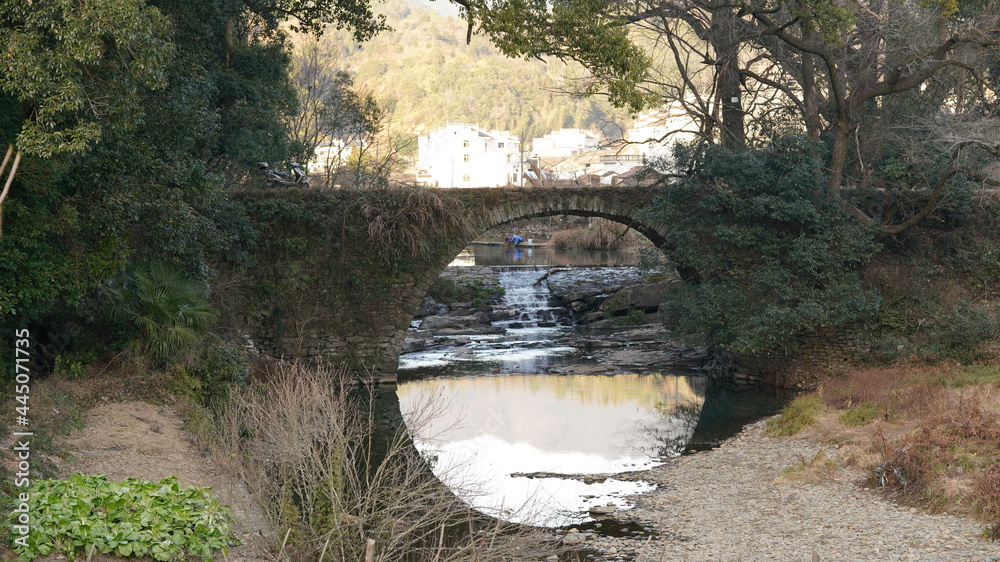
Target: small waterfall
{"points": [[527, 295]]}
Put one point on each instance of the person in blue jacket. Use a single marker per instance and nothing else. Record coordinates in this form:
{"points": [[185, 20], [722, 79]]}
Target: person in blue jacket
{"points": [[513, 241]]}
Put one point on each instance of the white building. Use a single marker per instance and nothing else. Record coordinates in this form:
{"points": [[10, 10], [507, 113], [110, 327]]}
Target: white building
{"points": [[329, 156], [460, 155], [657, 130], [565, 142]]}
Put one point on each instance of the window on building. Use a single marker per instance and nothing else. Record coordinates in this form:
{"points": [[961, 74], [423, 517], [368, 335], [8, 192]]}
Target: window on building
{"points": [[499, 145], [465, 144], [466, 178], [508, 157], [465, 158]]}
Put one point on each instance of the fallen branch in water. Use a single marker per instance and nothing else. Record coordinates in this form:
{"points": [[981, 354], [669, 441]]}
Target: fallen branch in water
{"points": [[550, 272]]}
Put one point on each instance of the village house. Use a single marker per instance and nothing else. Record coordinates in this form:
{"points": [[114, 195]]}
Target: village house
{"points": [[460, 155], [564, 143], [329, 156], [580, 157], [655, 131]]}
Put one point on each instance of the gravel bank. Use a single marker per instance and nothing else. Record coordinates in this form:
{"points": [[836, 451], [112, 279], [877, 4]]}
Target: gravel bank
{"points": [[730, 504]]}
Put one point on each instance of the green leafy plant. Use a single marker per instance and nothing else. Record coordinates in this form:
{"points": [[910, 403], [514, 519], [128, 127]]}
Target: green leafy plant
{"points": [[84, 515], [634, 317], [796, 416], [220, 366], [166, 309], [73, 365]]}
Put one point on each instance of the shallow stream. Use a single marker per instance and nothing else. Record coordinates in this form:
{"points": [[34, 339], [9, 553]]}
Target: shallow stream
{"points": [[514, 438]]}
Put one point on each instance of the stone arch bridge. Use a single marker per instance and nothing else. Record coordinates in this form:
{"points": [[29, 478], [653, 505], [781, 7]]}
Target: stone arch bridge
{"points": [[338, 275]]}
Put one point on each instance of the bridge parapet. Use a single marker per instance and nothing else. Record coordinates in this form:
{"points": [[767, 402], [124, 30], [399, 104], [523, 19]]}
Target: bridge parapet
{"points": [[339, 274]]}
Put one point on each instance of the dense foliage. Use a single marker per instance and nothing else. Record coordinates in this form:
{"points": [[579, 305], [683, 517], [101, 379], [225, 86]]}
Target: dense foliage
{"points": [[768, 254], [87, 515], [135, 119], [903, 93]]}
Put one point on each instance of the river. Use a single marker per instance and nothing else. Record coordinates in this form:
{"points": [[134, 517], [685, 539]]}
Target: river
{"points": [[506, 422]]}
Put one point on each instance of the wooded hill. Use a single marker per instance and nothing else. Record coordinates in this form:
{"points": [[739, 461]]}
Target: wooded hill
{"points": [[425, 67]]}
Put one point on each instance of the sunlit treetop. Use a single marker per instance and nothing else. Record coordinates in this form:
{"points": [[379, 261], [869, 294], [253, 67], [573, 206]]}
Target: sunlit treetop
{"points": [[314, 16], [70, 64], [587, 31]]}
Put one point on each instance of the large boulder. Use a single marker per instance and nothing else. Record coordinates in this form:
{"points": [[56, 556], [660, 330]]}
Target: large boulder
{"points": [[431, 307], [646, 297], [479, 318]]}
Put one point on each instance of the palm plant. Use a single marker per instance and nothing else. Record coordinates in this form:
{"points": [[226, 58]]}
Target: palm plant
{"points": [[167, 309]]}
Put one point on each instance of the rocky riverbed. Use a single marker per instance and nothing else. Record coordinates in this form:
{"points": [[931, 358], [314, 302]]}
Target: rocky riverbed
{"points": [[755, 497], [591, 299], [762, 498]]}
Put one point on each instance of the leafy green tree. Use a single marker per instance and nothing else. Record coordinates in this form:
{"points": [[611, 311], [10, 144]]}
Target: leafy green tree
{"points": [[73, 70], [592, 32], [130, 121], [768, 255]]}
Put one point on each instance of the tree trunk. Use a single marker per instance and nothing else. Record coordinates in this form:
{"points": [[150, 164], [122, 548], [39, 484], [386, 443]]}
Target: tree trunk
{"points": [[838, 156], [10, 178], [728, 83], [810, 100]]}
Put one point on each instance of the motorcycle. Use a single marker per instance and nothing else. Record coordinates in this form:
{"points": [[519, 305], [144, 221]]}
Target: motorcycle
{"points": [[275, 178]]}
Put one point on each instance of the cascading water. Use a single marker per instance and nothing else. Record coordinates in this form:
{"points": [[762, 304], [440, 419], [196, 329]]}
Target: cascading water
{"points": [[525, 342], [526, 293]]}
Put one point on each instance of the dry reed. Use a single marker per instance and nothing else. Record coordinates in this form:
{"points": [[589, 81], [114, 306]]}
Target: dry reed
{"points": [[937, 438], [304, 447], [602, 234]]}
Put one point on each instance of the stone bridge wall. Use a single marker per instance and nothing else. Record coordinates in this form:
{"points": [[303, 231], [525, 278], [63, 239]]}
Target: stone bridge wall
{"points": [[339, 274]]}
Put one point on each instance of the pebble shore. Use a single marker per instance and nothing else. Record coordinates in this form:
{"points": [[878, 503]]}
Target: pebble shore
{"points": [[730, 504]]}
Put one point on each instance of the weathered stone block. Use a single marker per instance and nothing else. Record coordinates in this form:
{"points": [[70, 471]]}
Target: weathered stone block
{"points": [[645, 297]]}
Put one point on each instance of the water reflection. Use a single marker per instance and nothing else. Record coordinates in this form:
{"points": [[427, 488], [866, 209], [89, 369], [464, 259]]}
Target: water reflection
{"points": [[494, 254], [490, 428], [726, 410]]}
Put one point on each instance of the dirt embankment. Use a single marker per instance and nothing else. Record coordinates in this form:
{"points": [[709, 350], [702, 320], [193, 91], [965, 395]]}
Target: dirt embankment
{"points": [[141, 440]]}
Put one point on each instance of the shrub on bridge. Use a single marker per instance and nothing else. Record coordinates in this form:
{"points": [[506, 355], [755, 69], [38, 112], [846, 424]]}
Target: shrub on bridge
{"points": [[776, 256]]}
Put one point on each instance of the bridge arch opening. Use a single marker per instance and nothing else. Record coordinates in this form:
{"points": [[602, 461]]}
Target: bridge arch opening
{"points": [[494, 417], [504, 221], [540, 231]]}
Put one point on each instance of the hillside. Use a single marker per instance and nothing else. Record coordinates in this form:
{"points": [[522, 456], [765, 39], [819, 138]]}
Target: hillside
{"points": [[425, 66]]}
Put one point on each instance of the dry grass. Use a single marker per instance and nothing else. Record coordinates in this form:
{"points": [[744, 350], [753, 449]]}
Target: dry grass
{"points": [[602, 234], [819, 468], [929, 432], [399, 220], [305, 449]]}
